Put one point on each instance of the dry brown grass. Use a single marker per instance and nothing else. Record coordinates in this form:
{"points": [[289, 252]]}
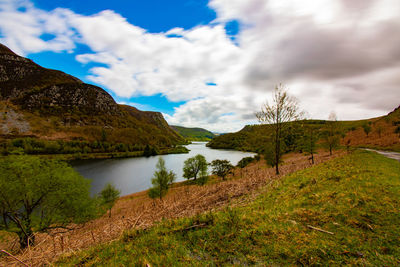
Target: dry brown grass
{"points": [[386, 138], [138, 210]]}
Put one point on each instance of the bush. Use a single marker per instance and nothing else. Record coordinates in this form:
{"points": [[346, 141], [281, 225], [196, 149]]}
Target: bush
{"points": [[37, 195], [245, 161]]}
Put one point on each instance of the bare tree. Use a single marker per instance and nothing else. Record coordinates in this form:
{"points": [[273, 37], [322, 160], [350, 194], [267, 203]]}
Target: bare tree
{"points": [[278, 114], [331, 133]]}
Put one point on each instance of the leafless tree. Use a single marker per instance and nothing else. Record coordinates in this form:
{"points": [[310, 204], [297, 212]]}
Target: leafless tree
{"points": [[279, 113], [331, 133]]}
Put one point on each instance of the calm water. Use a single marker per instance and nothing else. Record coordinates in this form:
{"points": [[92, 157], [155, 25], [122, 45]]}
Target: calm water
{"points": [[134, 174]]}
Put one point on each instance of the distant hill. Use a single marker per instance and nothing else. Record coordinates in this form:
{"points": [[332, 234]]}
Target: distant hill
{"points": [[50, 105], [194, 134], [384, 134]]}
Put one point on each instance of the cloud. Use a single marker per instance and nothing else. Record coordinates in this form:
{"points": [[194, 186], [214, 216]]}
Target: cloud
{"points": [[344, 55], [22, 26], [333, 55]]}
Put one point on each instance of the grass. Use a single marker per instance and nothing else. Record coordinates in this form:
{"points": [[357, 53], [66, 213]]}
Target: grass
{"points": [[355, 197]]}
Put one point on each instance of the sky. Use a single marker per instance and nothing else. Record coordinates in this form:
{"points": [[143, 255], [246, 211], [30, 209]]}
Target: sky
{"points": [[213, 64]]}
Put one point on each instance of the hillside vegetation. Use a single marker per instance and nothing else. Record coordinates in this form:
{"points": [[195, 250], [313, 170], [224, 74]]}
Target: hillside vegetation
{"points": [[48, 104], [342, 212], [194, 134], [384, 134]]}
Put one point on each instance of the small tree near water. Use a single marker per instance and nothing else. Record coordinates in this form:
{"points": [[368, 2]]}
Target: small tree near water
{"points": [[161, 180], [37, 195], [109, 196], [221, 168], [195, 166]]}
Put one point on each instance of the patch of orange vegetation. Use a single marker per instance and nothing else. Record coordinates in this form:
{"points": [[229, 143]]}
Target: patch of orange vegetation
{"points": [[382, 135]]}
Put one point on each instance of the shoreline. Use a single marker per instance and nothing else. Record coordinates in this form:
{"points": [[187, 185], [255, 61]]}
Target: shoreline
{"points": [[110, 155]]}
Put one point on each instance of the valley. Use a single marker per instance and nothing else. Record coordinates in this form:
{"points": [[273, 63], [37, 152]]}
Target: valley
{"points": [[90, 176]]}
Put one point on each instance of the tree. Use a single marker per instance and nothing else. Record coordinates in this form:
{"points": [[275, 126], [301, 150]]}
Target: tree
{"points": [[221, 168], [194, 166], [367, 129], [309, 144], [348, 142], [109, 196], [149, 151], [161, 180], [331, 133], [278, 114], [397, 130], [37, 195]]}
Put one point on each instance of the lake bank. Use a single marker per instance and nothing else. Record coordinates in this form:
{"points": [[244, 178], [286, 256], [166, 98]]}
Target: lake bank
{"points": [[111, 155]]}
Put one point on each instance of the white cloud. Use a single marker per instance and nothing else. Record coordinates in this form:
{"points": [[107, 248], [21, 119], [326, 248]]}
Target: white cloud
{"points": [[333, 55], [22, 26]]}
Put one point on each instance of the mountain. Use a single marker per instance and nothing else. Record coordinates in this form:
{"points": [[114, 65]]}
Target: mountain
{"points": [[194, 134], [384, 134], [51, 105]]}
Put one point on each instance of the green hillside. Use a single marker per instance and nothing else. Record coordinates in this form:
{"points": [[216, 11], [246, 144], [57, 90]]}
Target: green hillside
{"points": [[384, 134], [194, 134], [342, 212], [256, 137]]}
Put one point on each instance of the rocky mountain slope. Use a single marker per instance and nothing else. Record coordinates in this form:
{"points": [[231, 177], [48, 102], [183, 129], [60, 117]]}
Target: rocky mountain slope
{"points": [[52, 105]]}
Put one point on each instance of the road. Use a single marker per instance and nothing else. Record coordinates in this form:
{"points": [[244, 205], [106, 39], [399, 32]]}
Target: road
{"points": [[389, 154]]}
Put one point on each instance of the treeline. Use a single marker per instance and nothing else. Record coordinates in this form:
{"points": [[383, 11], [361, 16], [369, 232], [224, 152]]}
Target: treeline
{"points": [[34, 146]]}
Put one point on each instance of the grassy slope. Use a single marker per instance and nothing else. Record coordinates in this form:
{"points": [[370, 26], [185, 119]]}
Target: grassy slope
{"points": [[384, 134], [194, 134], [355, 197]]}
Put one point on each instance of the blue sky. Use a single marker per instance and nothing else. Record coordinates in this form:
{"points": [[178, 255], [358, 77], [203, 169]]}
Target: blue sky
{"points": [[214, 63], [154, 16]]}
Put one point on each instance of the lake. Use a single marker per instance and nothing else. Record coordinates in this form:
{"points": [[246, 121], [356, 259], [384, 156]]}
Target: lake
{"points": [[133, 175]]}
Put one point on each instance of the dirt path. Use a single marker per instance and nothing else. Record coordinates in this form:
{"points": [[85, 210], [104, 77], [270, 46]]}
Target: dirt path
{"points": [[389, 154]]}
